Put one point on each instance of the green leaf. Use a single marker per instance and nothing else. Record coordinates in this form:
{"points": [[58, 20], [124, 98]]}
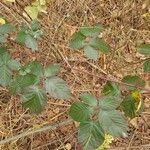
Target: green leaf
{"points": [[144, 49], [21, 37], [91, 31], [35, 25], [13, 64], [34, 99], [129, 107], [21, 82], [113, 122], [57, 88], [133, 80], [89, 99], [77, 41], [109, 103], [91, 53], [100, 45], [5, 68], [111, 89], [27, 80], [147, 66], [30, 42], [79, 112], [2, 50], [3, 38], [91, 135], [36, 68], [52, 70], [24, 70], [24, 28], [7, 28], [4, 58], [5, 75]]}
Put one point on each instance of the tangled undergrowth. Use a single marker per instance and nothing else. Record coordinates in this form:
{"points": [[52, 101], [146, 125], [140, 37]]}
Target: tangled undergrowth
{"points": [[114, 77]]}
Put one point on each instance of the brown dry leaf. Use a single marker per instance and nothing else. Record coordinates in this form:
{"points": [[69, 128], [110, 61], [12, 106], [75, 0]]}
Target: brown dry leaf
{"points": [[76, 124], [134, 122]]}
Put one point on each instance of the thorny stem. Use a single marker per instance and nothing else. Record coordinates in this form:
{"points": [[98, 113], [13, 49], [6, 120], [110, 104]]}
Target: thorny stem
{"points": [[113, 80], [27, 133]]}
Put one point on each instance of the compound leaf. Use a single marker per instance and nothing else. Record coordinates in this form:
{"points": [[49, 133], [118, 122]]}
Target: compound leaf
{"points": [[91, 135], [113, 122], [57, 88], [79, 112]]}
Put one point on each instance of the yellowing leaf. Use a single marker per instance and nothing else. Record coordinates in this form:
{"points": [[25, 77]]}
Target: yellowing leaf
{"points": [[146, 15], [32, 12], [108, 140], [42, 2], [35, 8], [138, 97], [2, 21]]}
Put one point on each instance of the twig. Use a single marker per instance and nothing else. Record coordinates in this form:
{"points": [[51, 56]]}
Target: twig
{"points": [[112, 80], [45, 128], [7, 7], [23, 10], [66, 105]]}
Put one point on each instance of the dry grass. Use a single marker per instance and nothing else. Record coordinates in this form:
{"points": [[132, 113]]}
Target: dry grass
{"points": [[125, 28]]}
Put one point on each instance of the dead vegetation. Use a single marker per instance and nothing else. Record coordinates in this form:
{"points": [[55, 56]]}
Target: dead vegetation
{"points": [[125, 25]]}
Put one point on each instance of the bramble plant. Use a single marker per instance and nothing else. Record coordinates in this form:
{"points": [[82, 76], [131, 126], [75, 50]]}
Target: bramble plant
{"points": [[107, 115], [100, 119], [88, 39], [30, 81]]}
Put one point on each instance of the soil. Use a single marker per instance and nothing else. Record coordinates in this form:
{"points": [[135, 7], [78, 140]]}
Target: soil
{"points": [[125, 27]]}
